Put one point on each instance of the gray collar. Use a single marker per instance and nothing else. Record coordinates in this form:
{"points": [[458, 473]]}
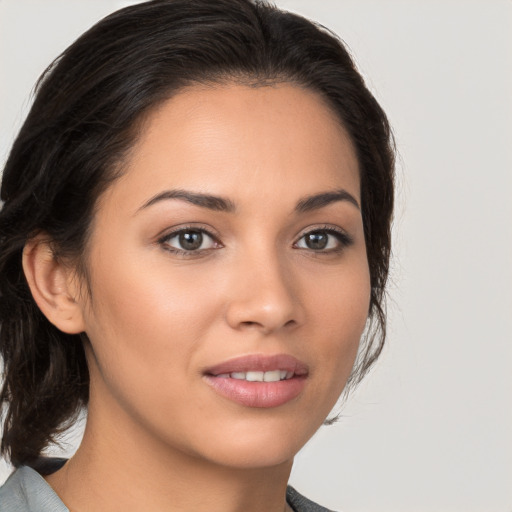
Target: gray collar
{"points": [[27, 491]]}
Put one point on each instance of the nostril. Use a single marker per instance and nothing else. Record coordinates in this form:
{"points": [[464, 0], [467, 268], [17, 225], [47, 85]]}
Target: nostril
{"points": [[250, 324]]}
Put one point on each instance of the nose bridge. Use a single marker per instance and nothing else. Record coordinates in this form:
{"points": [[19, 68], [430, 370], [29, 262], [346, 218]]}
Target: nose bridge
{"points": [[264, 292]]}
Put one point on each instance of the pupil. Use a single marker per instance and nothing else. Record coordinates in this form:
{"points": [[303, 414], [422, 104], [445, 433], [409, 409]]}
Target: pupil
{"points": [[191, 240], [316, 240]]}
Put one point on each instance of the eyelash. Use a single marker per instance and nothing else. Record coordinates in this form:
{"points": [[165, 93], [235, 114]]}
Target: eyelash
{"points": [[344, 240], [164, 241]]}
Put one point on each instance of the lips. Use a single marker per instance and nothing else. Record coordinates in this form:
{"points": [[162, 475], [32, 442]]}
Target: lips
{"points": [[258, 380]]}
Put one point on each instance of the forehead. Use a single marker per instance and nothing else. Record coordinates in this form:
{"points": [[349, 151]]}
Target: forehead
{"points": [[234, 139]]}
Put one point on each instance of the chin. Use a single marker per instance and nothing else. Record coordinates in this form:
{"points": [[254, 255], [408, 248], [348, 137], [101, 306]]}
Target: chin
{"points": [[252, 455], [257, 444]]}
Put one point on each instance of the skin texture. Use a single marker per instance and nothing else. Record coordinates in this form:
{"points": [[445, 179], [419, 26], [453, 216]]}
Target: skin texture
{"points": [[157, 432]]}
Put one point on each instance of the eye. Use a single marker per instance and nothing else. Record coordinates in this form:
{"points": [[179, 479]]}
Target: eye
{"points": [[325, 239], [188, 240]]}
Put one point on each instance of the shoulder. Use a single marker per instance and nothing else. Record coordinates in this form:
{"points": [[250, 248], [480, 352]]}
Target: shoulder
{"points": [[300, 503], [27, 491]]}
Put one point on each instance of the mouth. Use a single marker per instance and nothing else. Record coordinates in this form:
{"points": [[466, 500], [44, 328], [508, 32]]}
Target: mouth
{"points": [[259, 380], [255, 376]]}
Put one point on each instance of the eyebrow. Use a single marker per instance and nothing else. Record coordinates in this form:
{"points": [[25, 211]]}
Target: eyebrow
{"points": [[323, 199], [221, 204], [208, 201]]}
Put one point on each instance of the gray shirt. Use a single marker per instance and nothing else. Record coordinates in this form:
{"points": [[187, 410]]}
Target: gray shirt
{"points": [[27, 491]]}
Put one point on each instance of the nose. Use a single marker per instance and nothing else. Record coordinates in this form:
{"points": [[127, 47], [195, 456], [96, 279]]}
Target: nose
{"points": [[263, 296]]}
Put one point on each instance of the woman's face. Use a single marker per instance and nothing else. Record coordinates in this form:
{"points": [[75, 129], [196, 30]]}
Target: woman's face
{"points": [[229, 277]]}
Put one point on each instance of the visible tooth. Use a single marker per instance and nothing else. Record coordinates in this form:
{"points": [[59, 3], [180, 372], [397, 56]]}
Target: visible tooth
{"points": [[254, 376], [272, 376]]}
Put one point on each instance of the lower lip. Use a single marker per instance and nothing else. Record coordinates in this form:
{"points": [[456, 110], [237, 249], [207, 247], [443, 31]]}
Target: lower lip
{"points": [[257, 394]]}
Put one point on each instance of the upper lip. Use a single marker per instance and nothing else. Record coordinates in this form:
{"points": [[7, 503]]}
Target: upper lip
{"points": [[259, 363]]}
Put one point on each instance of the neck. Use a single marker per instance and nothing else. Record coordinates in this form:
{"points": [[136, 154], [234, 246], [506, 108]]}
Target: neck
{"points": [[108, 472]]}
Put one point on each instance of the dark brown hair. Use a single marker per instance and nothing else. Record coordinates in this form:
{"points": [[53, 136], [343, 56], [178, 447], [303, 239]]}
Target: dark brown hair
{"points": [[87, 108]]}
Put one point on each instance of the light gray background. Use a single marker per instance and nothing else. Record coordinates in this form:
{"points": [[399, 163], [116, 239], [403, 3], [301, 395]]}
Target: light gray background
{"points": [[430, 428]]}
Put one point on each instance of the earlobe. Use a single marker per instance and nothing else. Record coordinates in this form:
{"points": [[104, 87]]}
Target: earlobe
{"points": [[52, 285]]}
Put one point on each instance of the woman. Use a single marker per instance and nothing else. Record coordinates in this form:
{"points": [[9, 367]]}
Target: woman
{"points": [[195, 234]]}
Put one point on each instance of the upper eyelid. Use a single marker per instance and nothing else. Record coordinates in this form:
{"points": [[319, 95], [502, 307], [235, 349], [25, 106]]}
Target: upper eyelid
{"points": [[345, 239], [170, 232], [164, 242], [325, 227]]}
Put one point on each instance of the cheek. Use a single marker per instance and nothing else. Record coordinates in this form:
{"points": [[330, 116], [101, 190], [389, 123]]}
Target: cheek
{"points": [[144, 322], [146, 332], [341, 307]]}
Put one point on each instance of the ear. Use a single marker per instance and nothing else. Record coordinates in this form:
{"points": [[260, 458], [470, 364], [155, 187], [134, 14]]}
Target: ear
{"points": [[54, 286]]}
